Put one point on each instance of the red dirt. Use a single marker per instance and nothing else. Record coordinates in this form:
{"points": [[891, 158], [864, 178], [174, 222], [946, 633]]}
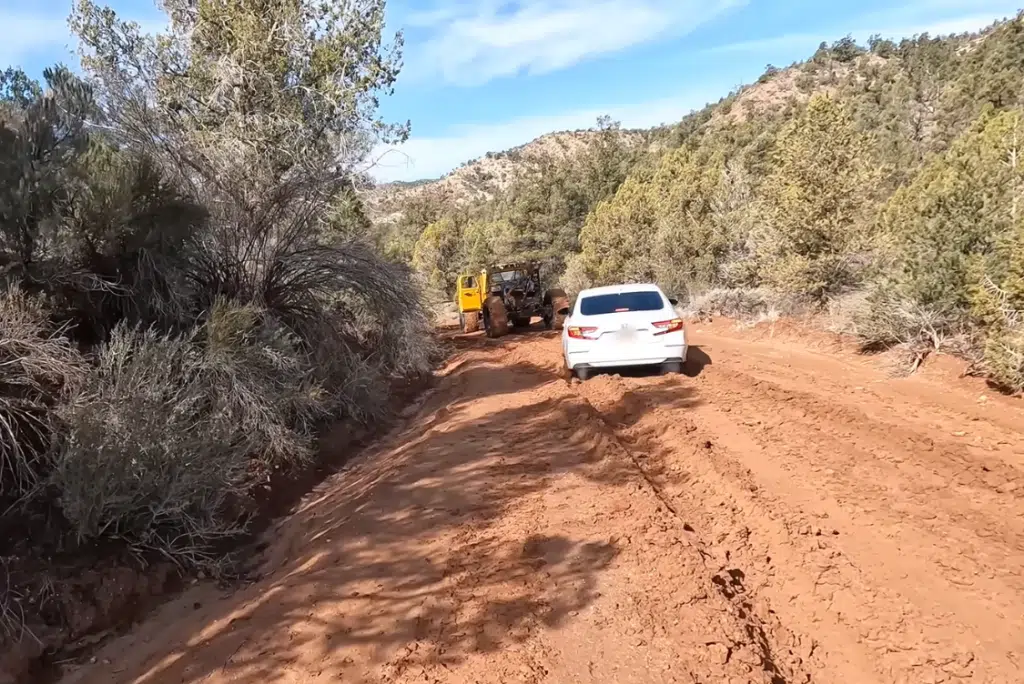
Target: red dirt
{"points": [[785, 514]]}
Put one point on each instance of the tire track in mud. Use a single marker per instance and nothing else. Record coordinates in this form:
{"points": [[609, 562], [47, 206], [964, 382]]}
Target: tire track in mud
{"points": [[749, 648], [776, 646], [943, 491], [872, 628], [740, 526], [783, 657]]}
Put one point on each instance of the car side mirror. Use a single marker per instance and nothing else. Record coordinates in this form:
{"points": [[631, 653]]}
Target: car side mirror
{"points": [[673, 302], [564, 311]]}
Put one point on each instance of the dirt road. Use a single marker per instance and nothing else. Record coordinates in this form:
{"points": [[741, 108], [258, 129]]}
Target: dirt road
{"points": [[784, 514]]}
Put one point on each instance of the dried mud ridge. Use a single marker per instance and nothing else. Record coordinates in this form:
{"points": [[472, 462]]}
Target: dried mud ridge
{"points": [[779, 514]]}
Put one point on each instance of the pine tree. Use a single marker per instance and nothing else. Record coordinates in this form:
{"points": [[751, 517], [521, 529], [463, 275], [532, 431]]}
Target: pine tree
{"points": [[816, 202]]}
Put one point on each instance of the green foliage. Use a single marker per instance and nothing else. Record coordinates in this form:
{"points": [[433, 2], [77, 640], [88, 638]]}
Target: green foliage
{"points": [[538, 214], [545, 207], [959, 205], [887, 173], [952, 249], [845, 50], [664, 228], [346, 220], [168, 430], [397, 240], [797, 206], [617, 240], [999, 308], [101, 229], [988, 75], [816, 203], [187, 292], [256, 87], [437, 256]]}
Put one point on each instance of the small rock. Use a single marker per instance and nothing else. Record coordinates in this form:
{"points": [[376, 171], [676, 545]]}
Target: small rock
{"points": [[1007, 487], [959, 433]]}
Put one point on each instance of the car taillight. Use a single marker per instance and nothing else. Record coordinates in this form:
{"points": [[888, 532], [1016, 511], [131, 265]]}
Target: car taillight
{"points": [[581, 333], [664, 327]]}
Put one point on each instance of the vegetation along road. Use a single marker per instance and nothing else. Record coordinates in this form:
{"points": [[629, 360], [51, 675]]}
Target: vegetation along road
{"points": [[210, 270], [783, 512]]}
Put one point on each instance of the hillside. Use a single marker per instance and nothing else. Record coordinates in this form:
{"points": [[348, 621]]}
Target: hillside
{"points": [[482, 179], [836, 184]]}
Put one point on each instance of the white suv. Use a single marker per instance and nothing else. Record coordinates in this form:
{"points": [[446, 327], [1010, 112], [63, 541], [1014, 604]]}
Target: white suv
{"points": [[623, 325]]}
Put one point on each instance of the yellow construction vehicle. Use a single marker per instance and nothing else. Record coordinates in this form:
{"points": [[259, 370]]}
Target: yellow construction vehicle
{"points": [[506, 295]]}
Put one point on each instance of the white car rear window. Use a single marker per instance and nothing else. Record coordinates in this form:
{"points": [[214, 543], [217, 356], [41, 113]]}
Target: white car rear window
{"points": [[641, 300]]}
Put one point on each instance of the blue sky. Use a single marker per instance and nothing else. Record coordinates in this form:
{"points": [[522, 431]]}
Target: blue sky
{"points": [[484, 75]]}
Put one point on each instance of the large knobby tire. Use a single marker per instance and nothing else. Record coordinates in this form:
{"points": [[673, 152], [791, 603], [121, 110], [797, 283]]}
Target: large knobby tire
{"points": [[470, 321], [558, 300], [496, 320]]}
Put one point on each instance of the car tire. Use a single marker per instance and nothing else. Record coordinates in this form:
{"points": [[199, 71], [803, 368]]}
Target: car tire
{"points": [[470, 321], [672, 368], [556, 299], [495, 317]]}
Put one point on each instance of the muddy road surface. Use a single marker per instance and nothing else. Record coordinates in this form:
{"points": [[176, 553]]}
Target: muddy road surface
{"points": [[782, 513]]}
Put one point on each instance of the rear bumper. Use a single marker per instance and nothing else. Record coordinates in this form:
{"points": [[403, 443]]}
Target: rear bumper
{"points": [[635, 363], [647, 357]]}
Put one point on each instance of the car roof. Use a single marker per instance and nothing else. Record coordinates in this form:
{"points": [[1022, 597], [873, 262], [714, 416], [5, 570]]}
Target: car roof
{"points": [[620, 289]]}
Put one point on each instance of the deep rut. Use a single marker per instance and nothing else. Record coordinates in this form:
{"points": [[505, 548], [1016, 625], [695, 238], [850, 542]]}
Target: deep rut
{"points": [[763, 631]]}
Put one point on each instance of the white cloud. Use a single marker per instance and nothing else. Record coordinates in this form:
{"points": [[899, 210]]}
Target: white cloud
{"points": [[770, 45], [470, 43], [900, 23], [431, 157]]}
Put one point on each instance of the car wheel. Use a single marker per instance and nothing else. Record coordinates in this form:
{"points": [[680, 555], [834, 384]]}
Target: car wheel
{"points": [[672, 368], [582, 373]]}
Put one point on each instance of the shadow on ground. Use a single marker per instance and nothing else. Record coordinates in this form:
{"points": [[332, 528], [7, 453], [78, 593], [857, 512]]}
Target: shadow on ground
{"points": [[410, 556]]}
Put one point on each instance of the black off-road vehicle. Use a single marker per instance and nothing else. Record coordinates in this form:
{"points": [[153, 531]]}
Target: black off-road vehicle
{"points": [[514, 294]]}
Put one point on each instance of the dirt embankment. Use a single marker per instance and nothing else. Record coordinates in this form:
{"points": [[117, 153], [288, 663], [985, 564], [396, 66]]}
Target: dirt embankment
{"points": [[782, 514]]}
